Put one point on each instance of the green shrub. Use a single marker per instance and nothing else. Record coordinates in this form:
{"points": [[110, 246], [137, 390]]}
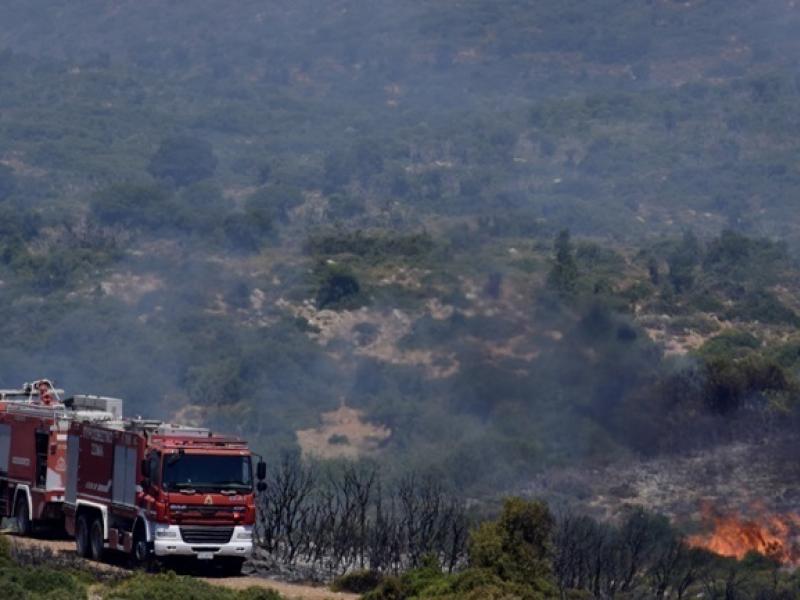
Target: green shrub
{"points": [[169, 586], [358, 582], [42, 582], [683, 261], [411, 584], [704, 301], [5, 551], [247, 232], [788, 354], [729, 344], [728, 382], [8, 182], [483, 584], [764, 307], [517, 546], [430, 583], [378, 245], [509, 559], [563, 275], [36, 583], [133, 205], [257, 593], [391, 588], [183, 160], [339, 289], [274, 202]]}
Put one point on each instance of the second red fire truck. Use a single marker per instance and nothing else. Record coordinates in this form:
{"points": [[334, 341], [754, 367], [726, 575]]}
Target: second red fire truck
{"points": [[33, 448], [148, 488]]}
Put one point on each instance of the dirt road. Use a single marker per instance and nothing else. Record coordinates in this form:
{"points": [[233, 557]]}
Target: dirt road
{"points": [[289, 590]]}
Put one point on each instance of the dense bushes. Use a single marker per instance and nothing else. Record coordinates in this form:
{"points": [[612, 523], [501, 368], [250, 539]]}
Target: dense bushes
{"points": [[197, 212], [574, 556], [183, 160], [730, 344], [32, 574], [508, 558], [359, 582], [133, 205], [8, 182], [17, 228], [338, 289], [728, 384], [517, 547], [39, 582], [169, 586], [764, 307], [370, 245], [563, 274]]}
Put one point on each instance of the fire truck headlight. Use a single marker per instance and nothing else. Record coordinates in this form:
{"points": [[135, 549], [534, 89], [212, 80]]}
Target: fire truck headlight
{"points": [[176, 507], [244, 535], [166, 533]]}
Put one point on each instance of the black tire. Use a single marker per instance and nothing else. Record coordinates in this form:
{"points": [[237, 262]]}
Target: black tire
{"points": [[140, 552], [232, 567], [82, 537], [97, 539], [22, 517]]}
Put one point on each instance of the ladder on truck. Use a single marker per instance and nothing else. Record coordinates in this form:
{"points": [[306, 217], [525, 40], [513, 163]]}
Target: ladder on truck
{"points": [[186, 435], [39, 392], [151, 427]]}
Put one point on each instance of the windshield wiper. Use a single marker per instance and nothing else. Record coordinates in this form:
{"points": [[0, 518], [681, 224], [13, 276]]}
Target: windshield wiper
{"points": [[185, 487], [233, 486]]}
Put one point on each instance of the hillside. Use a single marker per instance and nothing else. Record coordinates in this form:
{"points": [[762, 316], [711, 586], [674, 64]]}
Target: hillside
{"points": [[335, 228]]}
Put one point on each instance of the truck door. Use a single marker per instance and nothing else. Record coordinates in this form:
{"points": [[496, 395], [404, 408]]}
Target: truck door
{"points": [[5, 448], [123, 488], [42, 445], [73, 447]]}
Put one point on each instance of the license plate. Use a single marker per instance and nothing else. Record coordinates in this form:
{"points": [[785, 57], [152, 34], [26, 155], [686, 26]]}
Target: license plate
{"points": [[205, 556]]}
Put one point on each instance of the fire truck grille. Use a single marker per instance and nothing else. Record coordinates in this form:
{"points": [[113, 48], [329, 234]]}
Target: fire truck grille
{"points": [[211, 510], [206, 535]]}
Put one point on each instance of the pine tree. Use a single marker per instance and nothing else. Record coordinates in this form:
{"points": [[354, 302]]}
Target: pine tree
{"points": [[563, 275]]}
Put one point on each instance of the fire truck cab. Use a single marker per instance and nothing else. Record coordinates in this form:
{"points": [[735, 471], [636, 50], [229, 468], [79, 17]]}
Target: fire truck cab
{"points": [[33, 445], [160, 491]]}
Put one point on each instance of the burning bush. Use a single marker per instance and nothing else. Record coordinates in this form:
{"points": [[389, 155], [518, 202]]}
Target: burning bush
{"points": [[776, 536]]}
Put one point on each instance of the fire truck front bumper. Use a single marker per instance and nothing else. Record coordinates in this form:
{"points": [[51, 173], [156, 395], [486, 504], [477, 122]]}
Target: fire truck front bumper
{"points": [[204, 543]]}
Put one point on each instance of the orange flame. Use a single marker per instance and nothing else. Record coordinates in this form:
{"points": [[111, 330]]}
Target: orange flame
{"points": [[772, 534]]}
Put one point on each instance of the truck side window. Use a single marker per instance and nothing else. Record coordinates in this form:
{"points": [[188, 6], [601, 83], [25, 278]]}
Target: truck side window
{"points": [[42, 441], [155, 469]]}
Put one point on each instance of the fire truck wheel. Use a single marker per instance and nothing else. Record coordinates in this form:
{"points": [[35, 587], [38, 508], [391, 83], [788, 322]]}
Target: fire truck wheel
{"points": [[82, 537], [96, 539], [24, 526], [141, 553]]}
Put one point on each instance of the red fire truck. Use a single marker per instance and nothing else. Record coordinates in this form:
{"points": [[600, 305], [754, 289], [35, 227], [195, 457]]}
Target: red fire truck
{"points": [[160, 491], [33, 445]]}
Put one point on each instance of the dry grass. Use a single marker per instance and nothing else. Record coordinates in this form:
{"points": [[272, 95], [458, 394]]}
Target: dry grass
{"points": [[343, 434]]}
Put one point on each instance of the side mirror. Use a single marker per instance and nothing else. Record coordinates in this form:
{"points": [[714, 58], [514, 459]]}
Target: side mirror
{"points": [[145, 468], [261, 470], [261, 486]]}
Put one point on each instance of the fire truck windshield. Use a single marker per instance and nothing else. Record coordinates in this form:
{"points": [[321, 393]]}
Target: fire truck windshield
{"points": [[207, 471]]}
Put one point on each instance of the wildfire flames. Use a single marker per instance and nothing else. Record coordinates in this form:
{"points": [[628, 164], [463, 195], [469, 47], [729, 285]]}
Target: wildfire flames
{"points": [[771, 534]]}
